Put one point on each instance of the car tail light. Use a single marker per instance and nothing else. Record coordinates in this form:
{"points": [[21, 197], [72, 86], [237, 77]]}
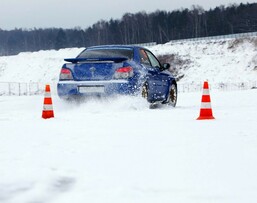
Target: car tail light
{"points": [[66, 74], [124, 73]]}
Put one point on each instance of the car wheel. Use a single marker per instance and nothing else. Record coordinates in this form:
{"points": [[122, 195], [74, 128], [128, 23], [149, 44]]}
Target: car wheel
{"points": [[145, 91], [173, 95]]}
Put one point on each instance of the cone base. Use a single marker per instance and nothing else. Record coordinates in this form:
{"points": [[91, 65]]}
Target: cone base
{"points": [[205, 118], [205, 114], [47, 114]]}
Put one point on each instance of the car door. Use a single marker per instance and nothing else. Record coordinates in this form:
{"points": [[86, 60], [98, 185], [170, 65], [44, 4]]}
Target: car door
{"points": [[157, 80]]}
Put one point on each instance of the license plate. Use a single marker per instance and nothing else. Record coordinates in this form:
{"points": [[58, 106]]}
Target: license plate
{"points": [[91, 89]]}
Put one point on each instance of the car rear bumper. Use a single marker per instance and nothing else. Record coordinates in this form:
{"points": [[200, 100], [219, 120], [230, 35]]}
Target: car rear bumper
{"points": [[90, 88]]}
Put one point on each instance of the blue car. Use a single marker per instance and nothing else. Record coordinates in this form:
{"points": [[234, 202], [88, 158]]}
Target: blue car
{"points": [[117, 70]]}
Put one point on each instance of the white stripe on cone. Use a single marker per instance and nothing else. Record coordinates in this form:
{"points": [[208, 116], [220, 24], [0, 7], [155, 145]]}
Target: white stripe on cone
{"points": [[205, 105], [47, 95], [206, 92], [48, 107]]}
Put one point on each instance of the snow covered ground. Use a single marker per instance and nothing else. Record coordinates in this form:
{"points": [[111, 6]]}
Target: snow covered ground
{"points": [[119, 150]]}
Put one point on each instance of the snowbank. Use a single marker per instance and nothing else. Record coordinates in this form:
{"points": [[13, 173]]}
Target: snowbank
{"points": [[42, 66], [219, 61]]}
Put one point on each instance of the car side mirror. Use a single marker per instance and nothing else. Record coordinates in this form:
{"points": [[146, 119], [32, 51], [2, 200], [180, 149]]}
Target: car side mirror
{"points": [[166, 66]]}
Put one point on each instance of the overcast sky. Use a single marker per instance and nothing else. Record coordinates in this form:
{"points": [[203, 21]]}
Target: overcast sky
{"points": [[84, 13]]}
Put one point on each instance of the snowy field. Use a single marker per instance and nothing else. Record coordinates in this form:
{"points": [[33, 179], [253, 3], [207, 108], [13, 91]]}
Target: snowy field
{"points": [[122, 151], [119, 150]]}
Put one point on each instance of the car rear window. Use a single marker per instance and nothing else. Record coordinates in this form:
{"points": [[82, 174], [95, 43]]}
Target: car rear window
{"points": [[102, 53]]}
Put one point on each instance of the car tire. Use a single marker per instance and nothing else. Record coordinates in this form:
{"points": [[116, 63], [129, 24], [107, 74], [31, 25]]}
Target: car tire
{"points": [[144, 91], [173, 95], [144, 94]]}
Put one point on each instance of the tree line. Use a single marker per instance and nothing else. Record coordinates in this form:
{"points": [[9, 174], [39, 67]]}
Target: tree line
{"points": [[141, 27]]}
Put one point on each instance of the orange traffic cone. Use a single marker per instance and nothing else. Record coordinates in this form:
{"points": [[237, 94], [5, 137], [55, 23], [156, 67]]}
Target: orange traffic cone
{"points": [[206, 110], [48, 111]]}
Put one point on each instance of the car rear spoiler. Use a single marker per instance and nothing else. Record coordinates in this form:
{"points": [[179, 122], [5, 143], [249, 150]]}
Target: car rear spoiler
{"points": [[114, 59]]}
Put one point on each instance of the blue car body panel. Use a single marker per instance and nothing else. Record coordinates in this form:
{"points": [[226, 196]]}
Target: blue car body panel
{"points": [[96, 75]]}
